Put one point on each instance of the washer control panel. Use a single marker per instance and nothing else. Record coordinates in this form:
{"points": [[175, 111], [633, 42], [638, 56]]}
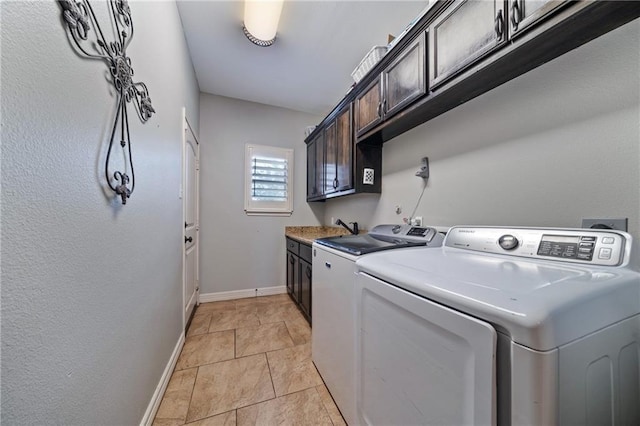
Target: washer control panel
{"points": [[405, 232], [591, 246]]}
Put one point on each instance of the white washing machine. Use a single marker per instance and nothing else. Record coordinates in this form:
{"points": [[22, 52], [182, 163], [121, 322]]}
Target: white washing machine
{"points": [[514, 326], [333, 301]]}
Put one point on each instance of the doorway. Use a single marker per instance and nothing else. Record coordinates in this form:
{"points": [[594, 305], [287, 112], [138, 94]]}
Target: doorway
{"points": [[190, 198]]}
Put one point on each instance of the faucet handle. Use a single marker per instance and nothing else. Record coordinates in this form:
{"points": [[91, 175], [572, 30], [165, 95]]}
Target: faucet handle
{"points": [[356, 231]]}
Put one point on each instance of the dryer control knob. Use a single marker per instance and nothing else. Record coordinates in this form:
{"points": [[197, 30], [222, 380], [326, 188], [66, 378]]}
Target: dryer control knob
{"points": [[508, 242]]}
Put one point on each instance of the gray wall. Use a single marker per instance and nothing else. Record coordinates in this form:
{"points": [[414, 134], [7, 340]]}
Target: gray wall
{"points": [[555, 145], [91, 290], [238, 251]]}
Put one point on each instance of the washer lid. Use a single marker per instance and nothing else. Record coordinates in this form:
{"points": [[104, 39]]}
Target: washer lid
{"points": [[540, 304], [365, 243], [384, 237]]}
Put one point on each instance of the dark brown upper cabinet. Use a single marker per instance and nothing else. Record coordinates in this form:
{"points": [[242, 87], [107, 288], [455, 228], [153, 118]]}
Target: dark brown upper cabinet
{"points": [[312, 190], [525, 13], [315, 167], [344, 150], [405, 78], [338, 165], [331, 155], [369, 107], [466, 32], [320, 144], [401, 82]]}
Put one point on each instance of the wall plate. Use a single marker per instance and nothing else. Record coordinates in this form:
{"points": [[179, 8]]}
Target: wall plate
{"points": [[423, 172], [620, 224], [368, 176]]}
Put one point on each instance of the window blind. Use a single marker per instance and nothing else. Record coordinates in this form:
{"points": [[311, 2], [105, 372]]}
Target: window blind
{"points": [[269, 178]]}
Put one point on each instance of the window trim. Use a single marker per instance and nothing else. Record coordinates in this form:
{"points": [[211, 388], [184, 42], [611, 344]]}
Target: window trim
{"points": [[262, 207]]}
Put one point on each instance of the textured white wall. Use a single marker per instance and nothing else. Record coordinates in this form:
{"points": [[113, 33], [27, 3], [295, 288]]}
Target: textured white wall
{"points": [[238, 251], [91, 291], [555, 145]]}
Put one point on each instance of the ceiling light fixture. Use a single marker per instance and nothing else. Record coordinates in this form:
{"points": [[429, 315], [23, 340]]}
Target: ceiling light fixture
{"points": [[261, 20]]}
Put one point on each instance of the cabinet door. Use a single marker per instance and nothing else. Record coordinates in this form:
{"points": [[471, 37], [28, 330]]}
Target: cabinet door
{"points": [[462, 34], [319, 167], [524, 13], [344, 151], [293, 275], [369, 107], [404, 78], [305, 287], [330, 159], [312, 190]]}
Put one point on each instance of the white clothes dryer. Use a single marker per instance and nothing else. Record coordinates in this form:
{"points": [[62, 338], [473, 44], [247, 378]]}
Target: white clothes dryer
{"points": [[520, 326]]}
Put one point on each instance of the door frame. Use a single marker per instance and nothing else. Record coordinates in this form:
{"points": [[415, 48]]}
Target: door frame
{"points": [[186, 126]]}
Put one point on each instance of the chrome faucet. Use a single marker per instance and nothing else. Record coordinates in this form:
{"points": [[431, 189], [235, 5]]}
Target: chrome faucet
{"points": [[353, 231]]}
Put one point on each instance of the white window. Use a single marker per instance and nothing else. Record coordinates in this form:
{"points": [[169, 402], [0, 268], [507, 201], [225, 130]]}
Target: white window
{"points": [[268, 188]]}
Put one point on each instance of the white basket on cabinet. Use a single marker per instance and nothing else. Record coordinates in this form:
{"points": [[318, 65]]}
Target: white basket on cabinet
{"points": [[369, 61]]}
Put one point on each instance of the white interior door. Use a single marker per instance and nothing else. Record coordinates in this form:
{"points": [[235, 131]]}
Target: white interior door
{"points": [[190, 185], [421, 363]]}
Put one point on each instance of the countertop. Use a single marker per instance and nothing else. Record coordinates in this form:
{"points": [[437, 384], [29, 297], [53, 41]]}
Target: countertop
{"points": [[306, 234]]}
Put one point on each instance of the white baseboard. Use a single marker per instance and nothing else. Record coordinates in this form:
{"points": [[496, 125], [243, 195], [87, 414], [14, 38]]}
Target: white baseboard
{"points": [[241, 294], [152, 409]]}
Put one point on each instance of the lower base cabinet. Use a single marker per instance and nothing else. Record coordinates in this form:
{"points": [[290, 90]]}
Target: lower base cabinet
{"points": [[299, 275]]}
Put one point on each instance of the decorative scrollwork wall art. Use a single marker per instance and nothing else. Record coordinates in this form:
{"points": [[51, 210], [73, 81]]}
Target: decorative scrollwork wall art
{"points": [[80, 18]]}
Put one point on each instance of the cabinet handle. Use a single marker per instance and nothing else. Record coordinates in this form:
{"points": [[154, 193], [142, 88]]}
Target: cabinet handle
{"points": [[384, 106], [335, 183], [379, 109], [499, 25], [308, 272], [515, 14], [188, 240], [291, 260], [327, 264]]}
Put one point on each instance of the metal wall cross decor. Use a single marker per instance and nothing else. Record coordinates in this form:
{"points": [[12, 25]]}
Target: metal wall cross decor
{"points": [[80, 18]]}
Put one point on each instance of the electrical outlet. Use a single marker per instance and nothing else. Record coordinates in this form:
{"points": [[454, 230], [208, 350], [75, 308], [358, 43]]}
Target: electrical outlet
{"points": [[619, 224]]}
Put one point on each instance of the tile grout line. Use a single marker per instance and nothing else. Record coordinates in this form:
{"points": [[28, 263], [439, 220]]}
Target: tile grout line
{"points": [[331, 396], [208, 417], [210, 321], [193, 388], [289, 332], [275, 395], [324, 405]]}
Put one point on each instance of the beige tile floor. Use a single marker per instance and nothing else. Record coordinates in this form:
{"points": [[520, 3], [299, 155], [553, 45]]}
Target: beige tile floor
{"points": [[247, 362]]}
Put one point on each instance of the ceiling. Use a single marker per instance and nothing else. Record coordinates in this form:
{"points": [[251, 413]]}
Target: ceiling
{"points": [[308, 68]]}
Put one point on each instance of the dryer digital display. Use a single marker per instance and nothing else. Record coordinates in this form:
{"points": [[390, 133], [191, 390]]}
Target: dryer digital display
{"points": [[567, 246]]}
